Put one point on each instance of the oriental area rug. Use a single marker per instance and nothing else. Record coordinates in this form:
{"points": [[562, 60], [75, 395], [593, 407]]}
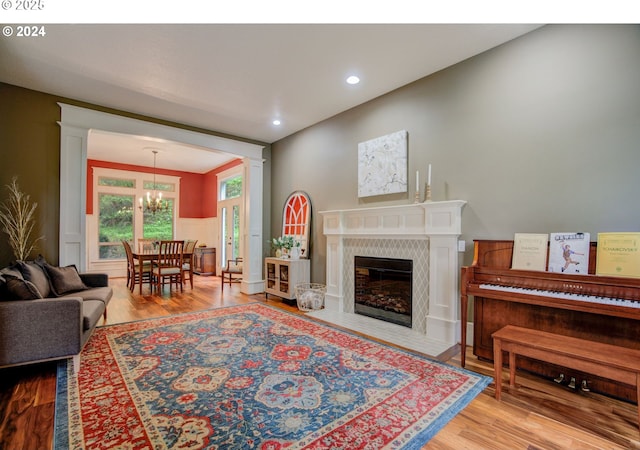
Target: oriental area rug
{"points": [[252, 377]]}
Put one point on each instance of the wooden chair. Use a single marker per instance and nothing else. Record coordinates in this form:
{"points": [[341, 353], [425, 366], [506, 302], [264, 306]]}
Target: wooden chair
{"points": [[234, 270], [133, 269], [187, 265], [146, 245], [168, 266]]}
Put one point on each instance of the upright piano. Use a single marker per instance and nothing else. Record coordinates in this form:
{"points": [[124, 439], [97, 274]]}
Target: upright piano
{"points": [[599, 308]]}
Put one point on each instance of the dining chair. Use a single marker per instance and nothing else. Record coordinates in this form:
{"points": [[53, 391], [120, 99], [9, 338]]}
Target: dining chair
{"points": [[234, 270], [187, 264], [147, 245], [133, 269], [168, 266]]}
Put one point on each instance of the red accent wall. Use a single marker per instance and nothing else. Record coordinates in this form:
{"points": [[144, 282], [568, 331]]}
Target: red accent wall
{"points": [[198, 192]]}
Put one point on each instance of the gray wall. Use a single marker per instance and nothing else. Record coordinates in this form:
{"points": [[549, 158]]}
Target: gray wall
{"points": [[541, 134]]}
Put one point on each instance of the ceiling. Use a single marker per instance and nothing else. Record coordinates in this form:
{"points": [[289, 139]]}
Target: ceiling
{"points": [[234, 79]]}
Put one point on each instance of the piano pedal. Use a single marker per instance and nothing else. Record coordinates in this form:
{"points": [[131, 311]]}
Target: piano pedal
{"points": [[572, 383], [560, 379], [584, 387]]}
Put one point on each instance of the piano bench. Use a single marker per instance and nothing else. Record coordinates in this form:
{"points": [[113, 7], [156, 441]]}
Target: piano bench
{"points": [[608, 361]]}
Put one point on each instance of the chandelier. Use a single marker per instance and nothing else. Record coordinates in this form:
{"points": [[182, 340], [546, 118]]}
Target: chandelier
{"points": [[154, 202]]}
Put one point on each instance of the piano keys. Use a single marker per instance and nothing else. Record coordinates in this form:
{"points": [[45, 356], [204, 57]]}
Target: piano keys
{"points": [[598, 308]]}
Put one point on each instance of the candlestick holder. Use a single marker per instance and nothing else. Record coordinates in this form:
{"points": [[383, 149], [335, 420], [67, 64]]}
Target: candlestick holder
{"points": [[427, 192], [417, 197]]}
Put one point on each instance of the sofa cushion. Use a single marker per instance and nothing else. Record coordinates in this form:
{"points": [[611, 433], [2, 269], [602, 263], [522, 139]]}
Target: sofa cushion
{"points": [[21, 289], [33, 272], [64, 279], [92, 310], [102, 294]]}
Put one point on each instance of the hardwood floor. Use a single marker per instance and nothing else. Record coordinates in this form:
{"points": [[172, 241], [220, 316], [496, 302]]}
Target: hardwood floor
{"points": [[538, 414]]}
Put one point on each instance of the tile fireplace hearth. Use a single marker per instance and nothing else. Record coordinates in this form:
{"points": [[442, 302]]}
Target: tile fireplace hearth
{"points": [[424, 233]]}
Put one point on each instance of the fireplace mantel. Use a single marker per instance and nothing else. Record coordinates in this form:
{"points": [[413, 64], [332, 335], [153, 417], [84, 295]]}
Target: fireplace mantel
{"points": [[438, 224]]}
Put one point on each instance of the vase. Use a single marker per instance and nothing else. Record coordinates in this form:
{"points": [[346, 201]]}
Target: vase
{"points": [[295, 252], [278, 253]]}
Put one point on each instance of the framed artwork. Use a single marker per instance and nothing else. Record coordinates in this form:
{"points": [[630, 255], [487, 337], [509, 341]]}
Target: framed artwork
{"points": [[382, 165]]}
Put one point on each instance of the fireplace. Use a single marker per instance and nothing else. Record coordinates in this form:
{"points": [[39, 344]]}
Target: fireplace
{"points": [[383, 288], [425, 233]]}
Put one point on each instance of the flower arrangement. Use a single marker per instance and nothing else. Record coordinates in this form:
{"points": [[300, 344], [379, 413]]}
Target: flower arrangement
{"points": [[285, 242]]}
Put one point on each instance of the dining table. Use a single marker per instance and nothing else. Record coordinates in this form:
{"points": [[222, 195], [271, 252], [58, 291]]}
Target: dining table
{"points": [[143, 257]]}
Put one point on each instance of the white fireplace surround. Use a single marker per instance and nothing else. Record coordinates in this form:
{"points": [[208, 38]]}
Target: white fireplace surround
{"points": [[427, 233]]}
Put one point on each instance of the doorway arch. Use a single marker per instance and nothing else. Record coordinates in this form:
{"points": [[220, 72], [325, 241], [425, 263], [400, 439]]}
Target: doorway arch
{"points": [[75, 124]]}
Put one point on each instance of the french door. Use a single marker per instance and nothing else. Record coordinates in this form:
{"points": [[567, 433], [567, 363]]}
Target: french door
{"points": [[230, 214], [230, 231]]}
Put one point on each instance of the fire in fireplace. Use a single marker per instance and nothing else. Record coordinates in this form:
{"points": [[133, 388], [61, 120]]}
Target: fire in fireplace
{"points": [[383, 289]]}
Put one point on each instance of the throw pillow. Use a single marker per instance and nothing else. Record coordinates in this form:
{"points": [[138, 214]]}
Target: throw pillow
{"points": [[64, 279], [4, 293], [33, 272], [11, 272], [21, 289]]}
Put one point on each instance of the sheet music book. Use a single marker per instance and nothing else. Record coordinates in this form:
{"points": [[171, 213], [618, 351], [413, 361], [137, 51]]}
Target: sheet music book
{"points": [[618, 254], [569, 252], [530, 251]]}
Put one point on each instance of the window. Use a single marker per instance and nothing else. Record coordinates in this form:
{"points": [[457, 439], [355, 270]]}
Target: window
{"points": [[118, 182], [231, 188], [115, 224], [158, 226], [118, 215], [164, 187]]}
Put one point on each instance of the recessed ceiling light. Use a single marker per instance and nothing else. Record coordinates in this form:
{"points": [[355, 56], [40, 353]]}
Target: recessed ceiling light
{"points": [[353, 79], [276, 122]]}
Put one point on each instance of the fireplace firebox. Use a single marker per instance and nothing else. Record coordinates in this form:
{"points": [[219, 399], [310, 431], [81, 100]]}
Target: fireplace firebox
{"points": [[383, 288]]}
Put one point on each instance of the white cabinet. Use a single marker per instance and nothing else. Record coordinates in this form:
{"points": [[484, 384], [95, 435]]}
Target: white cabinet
{"points": [[282, 275]]}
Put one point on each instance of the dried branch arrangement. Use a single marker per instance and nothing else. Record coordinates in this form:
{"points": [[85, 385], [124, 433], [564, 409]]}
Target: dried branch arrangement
{"points": [[17, 220]]}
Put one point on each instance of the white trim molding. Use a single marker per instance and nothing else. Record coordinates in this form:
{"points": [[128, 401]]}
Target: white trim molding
{"points": [[75, 124]]}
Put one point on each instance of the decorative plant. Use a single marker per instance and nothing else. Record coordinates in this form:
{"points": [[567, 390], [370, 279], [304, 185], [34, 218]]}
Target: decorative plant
{"points": [[286, 242], [17, 220]]}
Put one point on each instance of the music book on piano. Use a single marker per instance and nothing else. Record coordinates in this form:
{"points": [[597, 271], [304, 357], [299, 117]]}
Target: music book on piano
{"points": [[618, 254], [569, 252], [530, 251]]}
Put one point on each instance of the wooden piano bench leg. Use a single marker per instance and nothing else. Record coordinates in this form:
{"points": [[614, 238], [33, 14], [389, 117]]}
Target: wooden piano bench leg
{"points": [[638, 398], [497, 366], [512, 369]]}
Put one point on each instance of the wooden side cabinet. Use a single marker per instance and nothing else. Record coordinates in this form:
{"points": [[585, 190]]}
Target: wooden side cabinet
{"points": [[204, 261], [282, 275]]}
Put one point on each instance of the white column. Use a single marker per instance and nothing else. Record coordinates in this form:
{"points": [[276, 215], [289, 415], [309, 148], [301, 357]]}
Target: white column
{"points": [[73, 193], [252, 281], [443, 226], [332, 228], [334, 298]]}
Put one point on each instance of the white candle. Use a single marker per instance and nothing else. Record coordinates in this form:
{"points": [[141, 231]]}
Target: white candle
{"points": [[417, 181], [429, 176]]}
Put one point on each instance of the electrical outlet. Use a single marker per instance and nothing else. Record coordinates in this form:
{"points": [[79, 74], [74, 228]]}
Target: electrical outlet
{"points": [[462, 245]]}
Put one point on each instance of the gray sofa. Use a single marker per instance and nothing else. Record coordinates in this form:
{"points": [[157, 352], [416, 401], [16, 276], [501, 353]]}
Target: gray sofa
{"points": [[48, 312]]}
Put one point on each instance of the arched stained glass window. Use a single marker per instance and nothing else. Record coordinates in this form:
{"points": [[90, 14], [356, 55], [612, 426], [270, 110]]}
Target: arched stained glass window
{"points": [[296, 220]]}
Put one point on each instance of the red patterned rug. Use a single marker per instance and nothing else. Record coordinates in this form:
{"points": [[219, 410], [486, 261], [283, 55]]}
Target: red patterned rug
{"points": [[252, 376]]}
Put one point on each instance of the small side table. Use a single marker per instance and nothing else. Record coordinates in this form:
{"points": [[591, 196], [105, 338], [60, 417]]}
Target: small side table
{"points": [[204, 261]]}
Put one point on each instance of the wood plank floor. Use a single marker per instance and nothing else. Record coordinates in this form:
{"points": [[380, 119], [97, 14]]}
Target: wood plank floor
{"points": [[538, 414]]}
